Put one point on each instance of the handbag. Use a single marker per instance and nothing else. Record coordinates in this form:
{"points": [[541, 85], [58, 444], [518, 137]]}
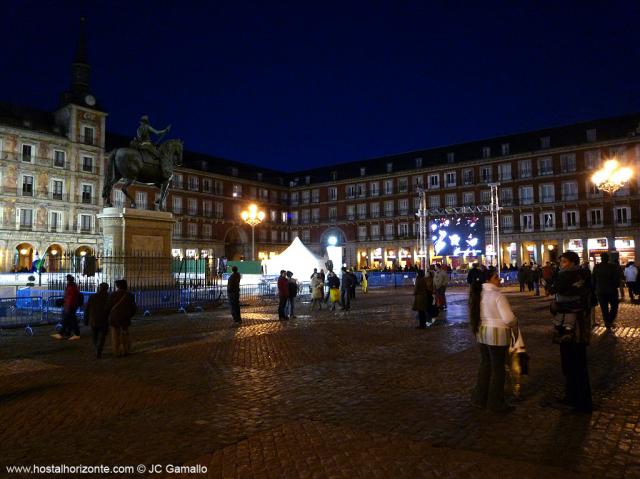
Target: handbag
{"points": [[518, 348]]}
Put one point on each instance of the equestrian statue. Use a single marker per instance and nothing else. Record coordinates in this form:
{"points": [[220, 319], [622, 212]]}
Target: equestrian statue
{"points": [[143, 162]]}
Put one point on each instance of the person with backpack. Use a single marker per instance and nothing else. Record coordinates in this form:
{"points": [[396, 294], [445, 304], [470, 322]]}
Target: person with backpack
{"points": [[122, 307], [293, 292], [73, 299]]}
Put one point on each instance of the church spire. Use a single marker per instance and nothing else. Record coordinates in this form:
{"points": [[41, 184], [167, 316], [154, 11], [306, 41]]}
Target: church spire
{"points": [[80, 91]]}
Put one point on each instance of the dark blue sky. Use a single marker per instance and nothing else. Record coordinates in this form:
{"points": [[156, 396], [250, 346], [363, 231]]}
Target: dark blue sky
{"points": [[292, 85]]}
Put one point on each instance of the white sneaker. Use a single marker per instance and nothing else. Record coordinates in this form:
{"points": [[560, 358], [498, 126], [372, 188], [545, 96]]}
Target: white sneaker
{"points": [[57, 336], [74, 337]]}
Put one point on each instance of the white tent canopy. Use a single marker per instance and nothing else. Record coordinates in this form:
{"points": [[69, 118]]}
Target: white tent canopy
{"points": [[297, 258]]}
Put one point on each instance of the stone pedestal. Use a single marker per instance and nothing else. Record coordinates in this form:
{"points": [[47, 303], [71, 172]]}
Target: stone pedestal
{"points": [[137, 246]]}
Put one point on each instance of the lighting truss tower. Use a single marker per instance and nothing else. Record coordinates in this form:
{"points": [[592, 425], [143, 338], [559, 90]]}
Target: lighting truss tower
{"points": [[423, 229], [494, 208]]}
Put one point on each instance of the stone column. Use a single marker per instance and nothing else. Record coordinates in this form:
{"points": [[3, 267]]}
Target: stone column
{"points": [[539, 251], [585, 250], [636, 252]]}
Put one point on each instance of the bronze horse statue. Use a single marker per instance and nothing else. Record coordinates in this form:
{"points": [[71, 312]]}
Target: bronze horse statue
{"points": [[136, 165]]}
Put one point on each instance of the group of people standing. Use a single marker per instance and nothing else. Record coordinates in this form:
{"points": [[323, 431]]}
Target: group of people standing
{"points": [[103, 312], [430, 294]]}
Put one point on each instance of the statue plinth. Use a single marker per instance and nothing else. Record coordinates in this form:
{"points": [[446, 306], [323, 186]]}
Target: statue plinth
{"points": [[137, 246]]}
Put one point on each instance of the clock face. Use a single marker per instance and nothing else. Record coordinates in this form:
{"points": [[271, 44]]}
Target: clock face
{"points": [[90, 100]]}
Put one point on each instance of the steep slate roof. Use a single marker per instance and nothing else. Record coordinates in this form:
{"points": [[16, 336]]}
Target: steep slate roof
{"points": [[29, 118], [519, 143]]}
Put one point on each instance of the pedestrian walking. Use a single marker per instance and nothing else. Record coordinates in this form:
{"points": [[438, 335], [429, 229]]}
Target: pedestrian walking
{"points": [[571, 310], [293, 292], [630, 277], [122, 307], [334, 289], [440, 282], [72, 300], [345, 290], [317, 292], [423, 299], [606, 279], [283, 294], [535, 277], [96, 315], [364, 282], [233, 294], [354, 284], [522, 277], [492, 322]]}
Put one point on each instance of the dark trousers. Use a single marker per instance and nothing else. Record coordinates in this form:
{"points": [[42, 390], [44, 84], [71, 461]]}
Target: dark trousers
{"points": [[70, 324], [352, 292], [489, 390], [99, 334], [423, 317], [530, 285], [573, 357], [282, 303], [234, 305], [631, 285], [609, 306], [522, 286], [345, 299], [291, 302]]}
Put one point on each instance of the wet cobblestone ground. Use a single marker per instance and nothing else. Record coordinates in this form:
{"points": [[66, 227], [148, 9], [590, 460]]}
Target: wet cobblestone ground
{"points": [[362, 394]]}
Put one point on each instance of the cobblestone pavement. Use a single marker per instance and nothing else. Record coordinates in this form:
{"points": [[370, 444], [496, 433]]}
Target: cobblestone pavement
{"points": [[362, 394]]}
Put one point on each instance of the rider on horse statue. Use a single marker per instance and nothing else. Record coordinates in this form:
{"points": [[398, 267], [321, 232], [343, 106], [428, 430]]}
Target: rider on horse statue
{"points": [[143, 142]]}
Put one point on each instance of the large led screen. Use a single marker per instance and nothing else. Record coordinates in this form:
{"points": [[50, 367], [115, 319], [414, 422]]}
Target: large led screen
{"points": [[457, 236]]}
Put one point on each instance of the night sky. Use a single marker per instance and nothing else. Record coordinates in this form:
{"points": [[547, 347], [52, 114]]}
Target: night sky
{"points": [[291, 85]]}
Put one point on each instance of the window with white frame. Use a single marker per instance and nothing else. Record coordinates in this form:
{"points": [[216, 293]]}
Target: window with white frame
{"points": [[284, 216], [451, 157], [86, 193], [306, 236], [403, 206], [618, 152], [375, 231], [403, 230], [571, 219], [234, 171], [118, 198], [467, 176], [59, 158], [87, 164], [86, 222], [545, 142], [418, 162], [526, 222], [417, 203], [506, 196], [592, 135], [351, 212], [361, 190], [333, 213], [177, 205], [505, 148], [592, 159], [273, 214], [485, 197], [486, 175], [362, 210], [567, 162], [25, 217], [468, 198], [27, 185], [193, 230], [206, 185], [374, 188], [547, 193], [451, 199], [306, 197], [374, 209], [434, 201], [334, 175], [350, 191], [506, 223], [177, 229], [388, 208], [315, 195], [88, 135], [418, 182], [569, 190], [595, 217], [548, 220], [403, 185], [363, 171], [434, 181], [141, 200], [218, 187], [207, 208], [237, 191], [55, 221], [307, 180], [388, 187], [389, 167], [207, 230], [219, 210], [487, 223], [504, 171], [284, 236], [57, 189], [388, 230], [176, 181], [486, 152], [192, 206], [27, 153], [623, 215], [524, 169], [194, 183], [306, 215], [333, 193], [362, 232], [592, 190], [450, 178], [526, 195], [545, 166]]}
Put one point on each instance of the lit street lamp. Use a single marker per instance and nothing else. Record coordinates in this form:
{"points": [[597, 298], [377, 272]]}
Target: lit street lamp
{"points": [[610, 178], [252, 217]]}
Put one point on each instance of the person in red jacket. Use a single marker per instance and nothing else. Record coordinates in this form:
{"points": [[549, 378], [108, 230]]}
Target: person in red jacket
{"points": [[283, 294], [70, 303]]}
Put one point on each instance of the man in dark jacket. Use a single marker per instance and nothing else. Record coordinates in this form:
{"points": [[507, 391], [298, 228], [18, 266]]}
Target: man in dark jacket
{"points": [[475, 275], [606, 280], [522, 277], [70, 303], [348, 281], [96, 315], [293, 292], [233, 294], [122, 307], [283, 294]]}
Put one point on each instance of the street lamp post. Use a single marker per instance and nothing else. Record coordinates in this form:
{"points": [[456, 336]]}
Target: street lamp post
{"points": [[253, 218], [610, 178]]}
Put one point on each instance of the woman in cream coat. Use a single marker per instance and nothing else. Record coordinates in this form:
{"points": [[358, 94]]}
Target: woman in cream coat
{"points": [[492, 321]]}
